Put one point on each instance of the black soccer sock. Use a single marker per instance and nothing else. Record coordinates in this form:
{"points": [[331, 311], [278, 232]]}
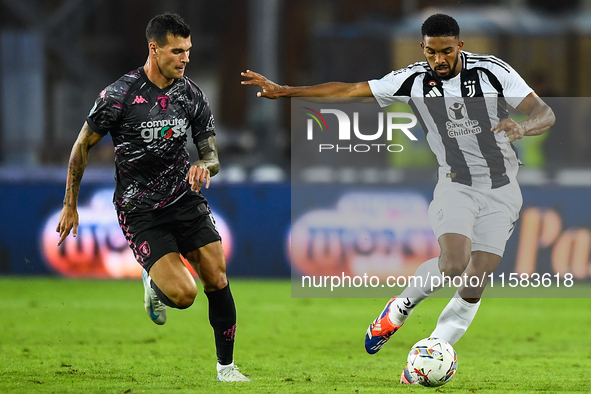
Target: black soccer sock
{"points": [[162, 297], [222, 317]]}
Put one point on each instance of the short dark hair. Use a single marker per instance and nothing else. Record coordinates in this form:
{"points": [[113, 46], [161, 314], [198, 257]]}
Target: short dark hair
{"points": [[162, 25], [440, 25]]}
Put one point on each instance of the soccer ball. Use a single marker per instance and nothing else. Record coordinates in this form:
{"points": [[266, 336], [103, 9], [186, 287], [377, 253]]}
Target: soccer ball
{"points": [[432, 362]]}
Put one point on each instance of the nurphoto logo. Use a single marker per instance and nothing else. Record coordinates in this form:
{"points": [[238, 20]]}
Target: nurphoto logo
{"points": [[392, 120]]}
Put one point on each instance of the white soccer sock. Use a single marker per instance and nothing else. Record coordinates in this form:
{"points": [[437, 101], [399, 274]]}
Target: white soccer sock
{"points": [[455, 319], [219, 366], [416, 291]]}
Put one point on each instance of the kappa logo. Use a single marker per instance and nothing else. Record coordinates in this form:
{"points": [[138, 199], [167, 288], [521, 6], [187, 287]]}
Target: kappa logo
{"points": [[229, 334], [434, 92], [139, 100]]}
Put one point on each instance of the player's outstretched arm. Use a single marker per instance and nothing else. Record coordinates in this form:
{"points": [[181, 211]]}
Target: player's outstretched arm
{"points": [[272, 90], [76, 166], [541, 118], [207, 166]]}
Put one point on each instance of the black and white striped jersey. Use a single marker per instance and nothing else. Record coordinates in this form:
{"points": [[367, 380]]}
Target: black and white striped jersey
{"points": [[457, 114]]}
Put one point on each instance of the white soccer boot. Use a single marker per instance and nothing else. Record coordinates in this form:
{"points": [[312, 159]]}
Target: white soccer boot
{"points": [[155, 309], [230, 373]]}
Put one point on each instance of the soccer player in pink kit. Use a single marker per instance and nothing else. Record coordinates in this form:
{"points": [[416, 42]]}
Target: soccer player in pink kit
{"points": [[158, 198], [477, 198]]}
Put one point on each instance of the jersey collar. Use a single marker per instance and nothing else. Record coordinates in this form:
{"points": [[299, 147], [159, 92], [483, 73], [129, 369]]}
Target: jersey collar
{"points": [[151, 84]]}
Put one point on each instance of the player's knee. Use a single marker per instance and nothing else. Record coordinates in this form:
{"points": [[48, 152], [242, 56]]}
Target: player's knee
{"points": [[217, 282], [453, 263], [184, 301], [185, 298]]}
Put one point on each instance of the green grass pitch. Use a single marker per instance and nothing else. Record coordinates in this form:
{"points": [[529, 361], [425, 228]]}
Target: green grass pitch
{"points": [[75, 336]]}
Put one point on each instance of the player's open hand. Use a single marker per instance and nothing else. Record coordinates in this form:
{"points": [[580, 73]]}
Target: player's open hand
{"points": [[513, 130], [270, 89], [198, 176], [68, 220]]}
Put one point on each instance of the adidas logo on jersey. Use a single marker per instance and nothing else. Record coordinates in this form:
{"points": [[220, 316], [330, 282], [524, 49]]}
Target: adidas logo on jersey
{"points": [[139, 100], [434, 92]]}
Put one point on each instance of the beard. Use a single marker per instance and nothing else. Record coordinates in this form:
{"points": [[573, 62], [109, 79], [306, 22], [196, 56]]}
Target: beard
{"points": [[450, 73]]}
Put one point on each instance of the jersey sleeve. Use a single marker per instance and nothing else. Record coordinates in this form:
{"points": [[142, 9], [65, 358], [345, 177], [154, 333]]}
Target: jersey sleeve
{"points": [[106, 112], [202, 123], [515, 89], [392, 88]]}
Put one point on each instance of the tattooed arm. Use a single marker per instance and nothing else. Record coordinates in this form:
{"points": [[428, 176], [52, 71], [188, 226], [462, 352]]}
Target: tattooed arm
{"points": [[207, 165], [78, 160]]}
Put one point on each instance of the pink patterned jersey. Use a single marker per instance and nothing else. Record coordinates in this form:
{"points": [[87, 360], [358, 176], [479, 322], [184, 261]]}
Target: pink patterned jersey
{"points": [[149, 128]]}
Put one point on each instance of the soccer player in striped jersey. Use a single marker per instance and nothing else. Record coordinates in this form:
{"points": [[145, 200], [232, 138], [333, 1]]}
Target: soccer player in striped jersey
{"points": [[461, 100]]}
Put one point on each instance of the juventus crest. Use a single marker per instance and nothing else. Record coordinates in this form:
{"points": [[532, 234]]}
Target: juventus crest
{"points": [[470, 86]]}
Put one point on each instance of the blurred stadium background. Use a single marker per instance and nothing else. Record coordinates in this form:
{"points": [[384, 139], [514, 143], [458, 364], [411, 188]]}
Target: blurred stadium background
{"points": [[56, 56]]}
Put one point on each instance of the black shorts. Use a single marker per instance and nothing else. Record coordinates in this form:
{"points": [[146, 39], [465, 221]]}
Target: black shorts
{"points": [[182, 227]]}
